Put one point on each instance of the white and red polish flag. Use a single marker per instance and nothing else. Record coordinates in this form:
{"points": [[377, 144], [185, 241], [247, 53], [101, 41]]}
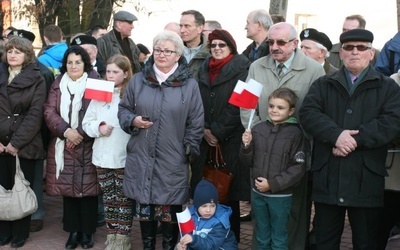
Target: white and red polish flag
{"points": [[100, 90], [245, 95], [185, 222]]}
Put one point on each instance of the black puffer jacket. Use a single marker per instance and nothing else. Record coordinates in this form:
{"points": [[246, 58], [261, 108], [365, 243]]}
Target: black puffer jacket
{"points": [[21, 110]]}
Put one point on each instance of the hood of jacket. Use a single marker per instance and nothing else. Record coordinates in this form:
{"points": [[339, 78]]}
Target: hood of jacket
{"points": [[222, 214], [56, 51], [177, 79]]}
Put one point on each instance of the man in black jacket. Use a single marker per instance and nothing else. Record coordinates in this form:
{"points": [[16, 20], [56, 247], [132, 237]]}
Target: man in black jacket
{"points": [[352, 114]]}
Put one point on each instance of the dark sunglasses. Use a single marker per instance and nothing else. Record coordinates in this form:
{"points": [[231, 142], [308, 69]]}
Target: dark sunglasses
{"points": [[271, 42], [349, 47], [220, 45]]}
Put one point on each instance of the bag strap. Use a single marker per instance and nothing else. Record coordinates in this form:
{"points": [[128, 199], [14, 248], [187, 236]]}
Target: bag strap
{"points": [[18, 169], [219, 157], [391, 62]]}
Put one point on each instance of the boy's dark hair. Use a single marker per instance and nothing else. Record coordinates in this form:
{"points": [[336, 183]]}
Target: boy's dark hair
{"points": [[285, 94], [53, 33]]}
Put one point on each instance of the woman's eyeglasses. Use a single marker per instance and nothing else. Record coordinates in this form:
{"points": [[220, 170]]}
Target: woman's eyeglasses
{"points": [[360, 47], [280, 42], [166, 52], [220, 45]]}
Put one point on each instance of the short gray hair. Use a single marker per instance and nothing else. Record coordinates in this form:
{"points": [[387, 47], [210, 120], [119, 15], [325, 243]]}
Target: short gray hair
{"points": [[263, 17], [320, 46], [167, 35]]}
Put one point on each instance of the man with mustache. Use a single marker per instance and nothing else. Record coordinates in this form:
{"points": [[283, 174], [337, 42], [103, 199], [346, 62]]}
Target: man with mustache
{"points": [[285, 66]]}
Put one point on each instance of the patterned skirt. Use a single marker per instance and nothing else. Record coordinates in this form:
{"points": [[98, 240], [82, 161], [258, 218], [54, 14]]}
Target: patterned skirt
{"points": [[150, 212]]}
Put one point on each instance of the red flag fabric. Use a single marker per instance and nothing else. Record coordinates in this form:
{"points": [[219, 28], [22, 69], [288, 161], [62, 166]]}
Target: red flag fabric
{"points": [[246, 95], [185, 222], [99, 90]]}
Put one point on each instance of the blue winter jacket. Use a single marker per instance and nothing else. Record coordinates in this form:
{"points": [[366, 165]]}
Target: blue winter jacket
{"points": [[213, 233], [52, 57]]}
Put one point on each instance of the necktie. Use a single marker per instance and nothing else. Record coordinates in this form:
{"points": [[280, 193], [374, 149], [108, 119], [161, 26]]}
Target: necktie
{"points": [[353, 79], [280, 70]]}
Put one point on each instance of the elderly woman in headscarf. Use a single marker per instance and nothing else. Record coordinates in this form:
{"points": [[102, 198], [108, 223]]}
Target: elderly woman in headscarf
{"points": [[222, 125]]}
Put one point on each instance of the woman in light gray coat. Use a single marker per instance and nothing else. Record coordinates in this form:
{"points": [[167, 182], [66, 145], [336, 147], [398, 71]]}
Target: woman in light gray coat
{"points": [[163, 111]]}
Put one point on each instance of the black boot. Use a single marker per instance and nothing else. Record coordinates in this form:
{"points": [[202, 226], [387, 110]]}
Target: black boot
{"points": [[170, 232], [73, 240], [148, 230]]}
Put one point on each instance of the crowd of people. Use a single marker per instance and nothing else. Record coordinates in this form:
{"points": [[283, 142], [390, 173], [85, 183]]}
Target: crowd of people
{"points": [[326, 118]]}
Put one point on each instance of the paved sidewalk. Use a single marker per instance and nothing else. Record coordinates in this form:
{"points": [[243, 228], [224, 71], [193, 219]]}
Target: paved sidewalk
{"points": [[52, 237]]}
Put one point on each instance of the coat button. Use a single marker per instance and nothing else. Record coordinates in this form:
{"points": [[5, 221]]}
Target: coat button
{"points": [[212, 94], [349, 111], [341, 200], [211, 111]]}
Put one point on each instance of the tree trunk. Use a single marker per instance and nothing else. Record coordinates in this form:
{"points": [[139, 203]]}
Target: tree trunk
{"points": [[46, 13], [74, 17], [398, 14], [102, 14], [279, 7], [87, 14]]}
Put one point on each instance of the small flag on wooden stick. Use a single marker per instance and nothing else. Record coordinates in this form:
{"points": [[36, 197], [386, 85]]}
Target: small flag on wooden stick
{"points": [[245, 95], [185, 222]]}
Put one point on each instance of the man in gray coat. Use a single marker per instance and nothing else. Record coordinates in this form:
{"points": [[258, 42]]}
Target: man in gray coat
{"points": [[117, 41], [285, 66]]}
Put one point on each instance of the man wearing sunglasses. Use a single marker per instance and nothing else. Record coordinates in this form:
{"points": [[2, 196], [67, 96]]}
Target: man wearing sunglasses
{"points": [[352, 114], [350, 23], [285, 66]]}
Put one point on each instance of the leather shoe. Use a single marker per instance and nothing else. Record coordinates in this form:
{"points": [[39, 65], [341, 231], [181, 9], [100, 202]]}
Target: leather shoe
{"points": [[36, 225], [4, 240], [87, 241], [18, 242], [73, 240], [245, 217]]}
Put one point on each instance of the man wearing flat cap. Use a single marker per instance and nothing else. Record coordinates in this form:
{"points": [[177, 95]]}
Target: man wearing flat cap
{"points": [[117, 41], [316, 45], [350, 22], [89, 43], [352, 115]]}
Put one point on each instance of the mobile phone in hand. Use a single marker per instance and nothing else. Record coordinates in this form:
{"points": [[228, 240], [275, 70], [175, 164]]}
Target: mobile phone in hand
{"points": [[145, 118]]}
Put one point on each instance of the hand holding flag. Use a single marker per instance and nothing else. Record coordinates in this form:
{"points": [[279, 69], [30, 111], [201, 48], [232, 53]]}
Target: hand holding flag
{"points": [[185, 222]]}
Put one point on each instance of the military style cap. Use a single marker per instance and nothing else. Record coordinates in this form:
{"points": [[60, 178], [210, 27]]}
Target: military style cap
{"points": [[23, 33], [84, 39], [125, 16], [316, 36], [357, 35]]}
